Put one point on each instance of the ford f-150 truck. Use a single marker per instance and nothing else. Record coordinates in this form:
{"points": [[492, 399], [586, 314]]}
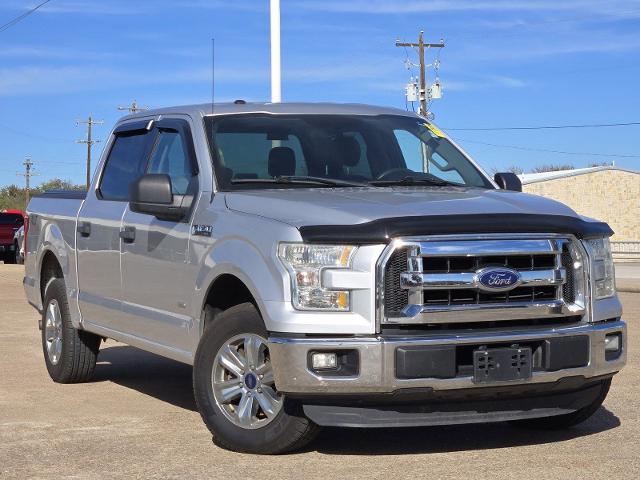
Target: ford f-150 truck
{"points": [[326, 265]]}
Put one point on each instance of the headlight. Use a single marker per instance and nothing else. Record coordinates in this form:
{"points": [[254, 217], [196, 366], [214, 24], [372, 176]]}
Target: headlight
{"points": [[305, 264], [602, 271]]}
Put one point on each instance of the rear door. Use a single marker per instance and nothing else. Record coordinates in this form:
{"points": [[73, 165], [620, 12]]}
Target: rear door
{"points": [[99, 221], [157, 279]]}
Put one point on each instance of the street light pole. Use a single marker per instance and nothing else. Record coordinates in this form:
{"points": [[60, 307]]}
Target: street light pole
{"points": [[276, 76]]}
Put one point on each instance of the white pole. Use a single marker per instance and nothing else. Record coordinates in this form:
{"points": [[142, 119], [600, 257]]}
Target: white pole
{"points": [[276, 80]]}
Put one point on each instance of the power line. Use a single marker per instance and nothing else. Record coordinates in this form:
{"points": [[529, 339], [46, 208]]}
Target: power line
{"points": [[11, 23], [543, 127], [560, 152]]}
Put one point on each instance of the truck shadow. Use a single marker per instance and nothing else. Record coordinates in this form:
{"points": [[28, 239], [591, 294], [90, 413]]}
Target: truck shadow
{"points": [[170, 381]]}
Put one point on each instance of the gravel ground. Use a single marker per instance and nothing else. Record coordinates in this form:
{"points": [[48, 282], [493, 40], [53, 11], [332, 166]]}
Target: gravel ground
{"points": [[138, 419]]}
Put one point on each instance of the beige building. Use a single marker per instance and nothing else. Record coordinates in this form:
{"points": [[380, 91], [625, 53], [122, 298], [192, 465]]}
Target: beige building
{"points": [[610, 194]]}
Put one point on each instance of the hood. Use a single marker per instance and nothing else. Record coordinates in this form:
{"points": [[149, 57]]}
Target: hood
{"points": [[348, 206]]}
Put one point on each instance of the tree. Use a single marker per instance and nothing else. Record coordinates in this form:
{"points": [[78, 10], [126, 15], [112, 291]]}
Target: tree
{"points": [[552, 168], [12, 196]]}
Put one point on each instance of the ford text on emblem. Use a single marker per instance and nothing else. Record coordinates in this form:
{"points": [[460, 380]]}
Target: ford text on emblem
{"points": [[497, 279]]}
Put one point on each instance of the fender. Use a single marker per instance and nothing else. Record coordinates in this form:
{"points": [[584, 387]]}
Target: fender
{"points": [[264, 278], [53, 241]]}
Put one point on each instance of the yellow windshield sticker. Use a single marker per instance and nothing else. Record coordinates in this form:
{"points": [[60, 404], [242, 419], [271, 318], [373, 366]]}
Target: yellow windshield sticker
{"points": [[435, 130]]}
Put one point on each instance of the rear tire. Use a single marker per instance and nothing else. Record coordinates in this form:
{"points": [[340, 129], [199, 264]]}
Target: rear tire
{"points": [[559, 422], [69, 354], [274, 424], [10, 258]]}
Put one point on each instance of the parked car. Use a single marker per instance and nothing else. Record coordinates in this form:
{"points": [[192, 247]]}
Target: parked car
{"points": [[18, 245], [326, 265], [10, 223]]}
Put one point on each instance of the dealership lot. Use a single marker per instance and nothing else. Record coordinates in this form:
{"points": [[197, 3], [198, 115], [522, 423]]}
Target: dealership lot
{"points": [[138, 419]]}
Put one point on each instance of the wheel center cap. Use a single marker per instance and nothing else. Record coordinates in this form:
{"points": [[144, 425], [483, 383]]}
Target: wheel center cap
{"points": [[251, 381]]}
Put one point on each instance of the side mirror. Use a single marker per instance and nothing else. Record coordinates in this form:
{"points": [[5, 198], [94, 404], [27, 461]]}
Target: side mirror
{"points": [[508, 181], [151, 195]]}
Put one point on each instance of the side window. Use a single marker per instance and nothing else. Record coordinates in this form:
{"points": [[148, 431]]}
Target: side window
{"points": [[124, 165], [411, 147], [170, 156], [414, 150], [439, 167]]}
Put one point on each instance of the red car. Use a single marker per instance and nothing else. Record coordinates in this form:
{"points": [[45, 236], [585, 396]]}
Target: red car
{"points": [[10, 223]]}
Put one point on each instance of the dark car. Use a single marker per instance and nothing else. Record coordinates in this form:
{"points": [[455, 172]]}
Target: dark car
{"points": [[10, 223]]}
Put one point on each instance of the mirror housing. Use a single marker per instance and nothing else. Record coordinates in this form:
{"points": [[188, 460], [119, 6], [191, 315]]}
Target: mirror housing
{"points": [[508, 181], [151, 195]]}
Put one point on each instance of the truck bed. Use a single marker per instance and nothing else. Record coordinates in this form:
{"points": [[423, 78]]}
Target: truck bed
{"points": [[52, 226]]}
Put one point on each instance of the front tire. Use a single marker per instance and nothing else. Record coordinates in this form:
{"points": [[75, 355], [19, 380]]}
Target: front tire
{"points": [[70, 354], [235, 392]]}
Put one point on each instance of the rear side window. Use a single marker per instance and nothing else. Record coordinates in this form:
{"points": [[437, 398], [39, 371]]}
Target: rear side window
{"points": [[125, 164]]}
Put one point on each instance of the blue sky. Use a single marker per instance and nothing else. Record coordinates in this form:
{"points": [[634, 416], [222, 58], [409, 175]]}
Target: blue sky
{"points": [[506, 63]]}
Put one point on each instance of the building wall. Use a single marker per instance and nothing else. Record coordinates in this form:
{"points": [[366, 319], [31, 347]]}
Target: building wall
{"points": [[609, 195]]}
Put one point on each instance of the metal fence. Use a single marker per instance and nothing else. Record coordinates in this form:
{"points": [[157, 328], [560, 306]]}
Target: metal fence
{"points": [[625, 249]]}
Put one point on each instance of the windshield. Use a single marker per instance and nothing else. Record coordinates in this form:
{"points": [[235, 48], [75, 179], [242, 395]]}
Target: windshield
{"points": [[268, 151]]}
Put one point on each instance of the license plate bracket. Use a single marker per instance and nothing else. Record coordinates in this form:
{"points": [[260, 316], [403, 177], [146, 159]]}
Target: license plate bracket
{"points": [[501, 364]]}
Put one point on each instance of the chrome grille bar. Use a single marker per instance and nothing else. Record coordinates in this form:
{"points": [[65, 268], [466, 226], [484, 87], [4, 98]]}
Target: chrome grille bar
{"points": [[463, 280], [475, 248]]}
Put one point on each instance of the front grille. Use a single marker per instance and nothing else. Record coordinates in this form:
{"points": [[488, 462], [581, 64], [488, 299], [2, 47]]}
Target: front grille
{"points": [[568, 289], [395, 298], [438, 281]]}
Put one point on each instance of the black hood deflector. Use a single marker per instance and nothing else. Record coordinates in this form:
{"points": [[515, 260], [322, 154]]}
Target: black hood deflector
{"points": [[385, 229]]}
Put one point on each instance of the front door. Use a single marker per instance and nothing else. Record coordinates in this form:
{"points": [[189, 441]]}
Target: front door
{"points": [[157, 279], [98, 229]]}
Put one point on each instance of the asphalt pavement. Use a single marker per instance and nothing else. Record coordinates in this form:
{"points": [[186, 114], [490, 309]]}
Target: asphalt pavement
{"points": [[137, 419]]}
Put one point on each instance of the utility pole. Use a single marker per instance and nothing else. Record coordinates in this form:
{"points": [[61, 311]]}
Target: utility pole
{"points": [[133, 108], [423, 74], [28, 165], [89, 141]]}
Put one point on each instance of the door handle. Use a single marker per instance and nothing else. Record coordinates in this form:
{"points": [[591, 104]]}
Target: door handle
{"points": [[84, 228], [128, 234]]}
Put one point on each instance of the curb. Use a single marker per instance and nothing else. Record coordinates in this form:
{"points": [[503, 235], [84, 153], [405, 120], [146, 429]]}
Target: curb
{"points": [[628, 286]]}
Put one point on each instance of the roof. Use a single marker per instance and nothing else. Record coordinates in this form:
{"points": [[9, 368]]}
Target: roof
{"points": [[526, 178], [205, 109]]}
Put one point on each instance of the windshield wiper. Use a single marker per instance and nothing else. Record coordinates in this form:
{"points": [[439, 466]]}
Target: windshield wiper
{"points": [[411, 180], [301, 180]]}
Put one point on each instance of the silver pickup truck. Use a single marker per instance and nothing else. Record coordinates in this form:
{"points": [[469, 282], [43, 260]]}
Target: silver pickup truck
{"points": [[326, 265]]}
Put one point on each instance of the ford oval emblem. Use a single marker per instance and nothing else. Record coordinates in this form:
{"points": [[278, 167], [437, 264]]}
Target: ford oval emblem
{"points": [[498, 279]]}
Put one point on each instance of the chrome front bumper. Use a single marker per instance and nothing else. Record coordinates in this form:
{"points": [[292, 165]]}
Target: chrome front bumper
{"points": [[290, 358]]}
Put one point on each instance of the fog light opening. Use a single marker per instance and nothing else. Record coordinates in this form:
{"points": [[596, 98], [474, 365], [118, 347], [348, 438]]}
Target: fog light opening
{"points": [[324, 361], [612, 346]]}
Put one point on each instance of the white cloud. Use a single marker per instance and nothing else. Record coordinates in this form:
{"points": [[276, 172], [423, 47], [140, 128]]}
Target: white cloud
{"points": [[53, 53], [423, 6], [38, 80]]}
